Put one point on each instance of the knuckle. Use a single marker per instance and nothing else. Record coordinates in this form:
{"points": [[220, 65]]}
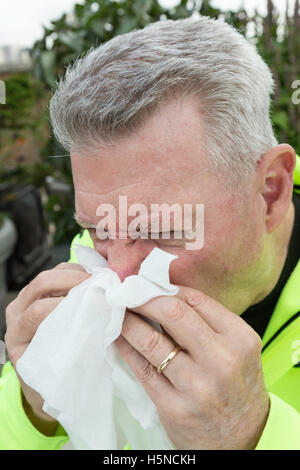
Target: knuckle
{"points": [[146, 372], [9, 311], [184, 379], [32, 316], [196, 298], [252, 344], [23, 290], [196, 386], [7, 340], [230, 363], [12, 351], [255, 342], [32, 289], [63, 265], [39, 282], [13, 358], [35, 310], [150, 343], [202, 389], [175, 310], [22, 322], [36, 313], [232, 366]]}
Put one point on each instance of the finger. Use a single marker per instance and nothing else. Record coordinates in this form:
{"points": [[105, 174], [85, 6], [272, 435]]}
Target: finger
{"points": [[186, 326], [155, 347], [51, 283], [156, 385], [69, 266], [218, 317], [28, 322]]}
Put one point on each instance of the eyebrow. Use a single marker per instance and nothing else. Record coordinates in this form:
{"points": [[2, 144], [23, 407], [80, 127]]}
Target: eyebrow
{"points": [[83, 223]]}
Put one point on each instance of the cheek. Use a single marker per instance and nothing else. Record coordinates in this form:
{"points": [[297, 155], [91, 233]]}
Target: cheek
{"points": [[210, 268], [185, 269], [232, 241]]}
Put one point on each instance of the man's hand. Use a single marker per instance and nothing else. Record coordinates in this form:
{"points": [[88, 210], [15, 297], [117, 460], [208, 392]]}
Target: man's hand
{"points": [[24, 315], [212, 394]]}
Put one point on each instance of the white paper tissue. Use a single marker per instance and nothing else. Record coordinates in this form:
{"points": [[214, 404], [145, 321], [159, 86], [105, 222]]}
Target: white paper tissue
{"points": [[74, 365]]}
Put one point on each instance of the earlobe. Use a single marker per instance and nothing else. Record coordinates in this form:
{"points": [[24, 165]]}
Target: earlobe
{"points": [[277, 171]]}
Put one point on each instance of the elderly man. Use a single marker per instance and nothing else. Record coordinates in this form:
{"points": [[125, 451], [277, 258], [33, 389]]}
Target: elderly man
{"points": [[178, 112]]}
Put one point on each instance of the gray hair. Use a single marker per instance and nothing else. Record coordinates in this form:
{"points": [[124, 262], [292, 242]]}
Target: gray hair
{"points": [[110, 91]]}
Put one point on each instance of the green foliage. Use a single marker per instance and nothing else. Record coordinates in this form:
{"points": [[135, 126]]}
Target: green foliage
{"points": [[22, 91], [59, 211], [279, 45]]}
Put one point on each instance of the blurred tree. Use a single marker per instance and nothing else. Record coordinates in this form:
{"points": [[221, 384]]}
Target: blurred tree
{"points": [[20, 99], [97, 21], [279, 44]]}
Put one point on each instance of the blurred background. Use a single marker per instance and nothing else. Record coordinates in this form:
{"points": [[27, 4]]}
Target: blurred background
{"points": [[37, 40]]}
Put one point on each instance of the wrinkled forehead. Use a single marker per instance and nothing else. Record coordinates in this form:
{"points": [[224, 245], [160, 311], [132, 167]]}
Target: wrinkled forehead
{"points": [[145, 181], [104, 181], [166, 149], [112, 172]]}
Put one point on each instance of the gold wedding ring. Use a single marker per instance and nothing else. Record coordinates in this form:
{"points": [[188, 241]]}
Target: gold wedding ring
{"points": [[169, 358]]}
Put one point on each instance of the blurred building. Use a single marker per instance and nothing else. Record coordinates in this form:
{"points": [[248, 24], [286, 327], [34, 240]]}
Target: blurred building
{"points": [[13, 59]]}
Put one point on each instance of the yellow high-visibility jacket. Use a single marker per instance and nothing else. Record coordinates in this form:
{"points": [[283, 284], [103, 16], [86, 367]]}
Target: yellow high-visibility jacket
{"points": [[280, 360]]}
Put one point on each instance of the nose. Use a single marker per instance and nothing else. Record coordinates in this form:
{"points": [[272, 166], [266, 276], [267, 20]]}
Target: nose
{"points": [[125, 256]]}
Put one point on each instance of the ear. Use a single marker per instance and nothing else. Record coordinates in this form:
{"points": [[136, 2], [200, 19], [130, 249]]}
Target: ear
{"points": [[275, 171]]}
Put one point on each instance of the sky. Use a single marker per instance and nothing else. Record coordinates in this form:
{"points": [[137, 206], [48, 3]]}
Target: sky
{"points": [[21, 20]]}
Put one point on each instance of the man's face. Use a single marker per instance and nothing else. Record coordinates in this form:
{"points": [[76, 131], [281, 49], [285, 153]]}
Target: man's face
{"points": [[163, 163]]}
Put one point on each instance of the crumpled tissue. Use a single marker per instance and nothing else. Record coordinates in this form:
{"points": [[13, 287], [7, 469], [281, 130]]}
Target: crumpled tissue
{"points": [[73, 363]]}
